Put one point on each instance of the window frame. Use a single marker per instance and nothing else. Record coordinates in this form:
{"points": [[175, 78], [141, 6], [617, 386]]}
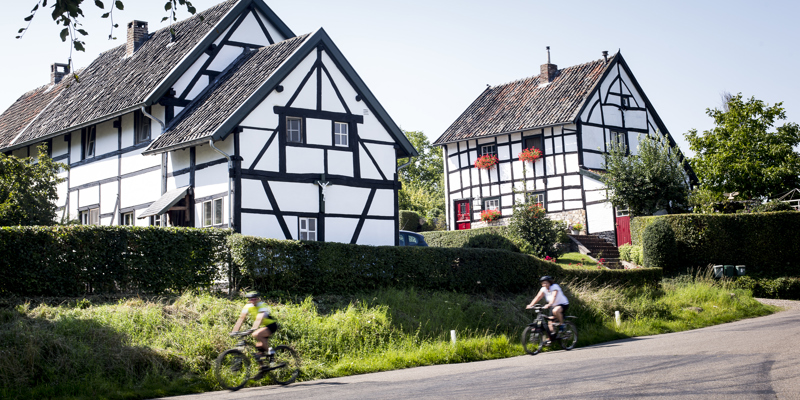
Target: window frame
{"points": [[538, 137], [90, 215], [218, 211], [338, 135], [307, 230], [486, 201], [539, 193], [155, 220], [139, 122], [89, 142], [614, 136], [301, 136], [493, 147], [127, 219]]}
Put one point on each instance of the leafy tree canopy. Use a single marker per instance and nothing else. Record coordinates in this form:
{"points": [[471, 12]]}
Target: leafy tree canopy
{"points": [[28, 189], [423, 179], [68, 13], [740, 154], [652, 180]]}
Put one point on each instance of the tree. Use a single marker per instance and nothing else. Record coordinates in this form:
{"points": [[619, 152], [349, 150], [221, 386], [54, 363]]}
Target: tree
{"points": [[537, 234], [650, 181], [740, 154], [68, 13], [28, 189], [423, 179]]}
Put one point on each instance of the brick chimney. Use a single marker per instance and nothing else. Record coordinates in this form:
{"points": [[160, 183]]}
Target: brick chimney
{"points": [[547, 71], [57, 72], [137, 34]]}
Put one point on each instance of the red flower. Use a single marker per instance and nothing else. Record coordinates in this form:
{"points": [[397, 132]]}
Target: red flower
{"points": [[486, 161], [532, 154], [489, 215]]}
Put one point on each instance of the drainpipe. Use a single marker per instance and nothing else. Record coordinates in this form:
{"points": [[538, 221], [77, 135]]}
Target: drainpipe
{"points": [[404, 165], [163, 160], [230, 177]]}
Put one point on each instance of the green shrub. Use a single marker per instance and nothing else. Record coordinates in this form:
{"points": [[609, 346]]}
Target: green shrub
{"points": [[631, 253], [319, 267], [491, 241], [772, 206], [409, 221], [779, 288], [659, 245], [637, 255], [460, 238], [625, 252], [767, 243], [73, 260], [536, 233]]}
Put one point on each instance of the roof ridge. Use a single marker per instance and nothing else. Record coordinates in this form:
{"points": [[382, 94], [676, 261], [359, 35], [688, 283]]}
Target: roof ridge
{"points": [[537, 75]]}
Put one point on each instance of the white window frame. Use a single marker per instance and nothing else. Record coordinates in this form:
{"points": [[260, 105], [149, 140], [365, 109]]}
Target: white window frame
{"points": [[90, 216], [538, 195], [127, 219], [155, 220], [619, 137], [91, 142], [489, 149], [305, 229], [290, 132], [492, 204], [341, 134], [212, 212]]}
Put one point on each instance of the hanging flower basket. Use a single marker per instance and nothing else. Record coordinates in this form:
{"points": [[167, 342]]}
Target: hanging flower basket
{"points": [[532, 154], [490, 215], [486, 162]]}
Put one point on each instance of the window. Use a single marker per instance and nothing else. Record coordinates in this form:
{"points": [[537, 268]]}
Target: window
{"points": [[491, 204], [537, 197], [90, 216], [340, 134], [489, 149], [155, 220], [294, 130], [623, 213], [212, 212], [618, 138], [89, 142], [127, 219], [534, 141], [142, 127], [625, 102], [308, 229]]}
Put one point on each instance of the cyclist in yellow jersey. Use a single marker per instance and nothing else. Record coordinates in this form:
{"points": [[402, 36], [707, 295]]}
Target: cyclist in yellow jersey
{"points": [[264, 325]]}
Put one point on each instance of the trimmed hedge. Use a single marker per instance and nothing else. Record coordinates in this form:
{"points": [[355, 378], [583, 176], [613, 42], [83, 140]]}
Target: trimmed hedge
{"points": [[317, 268], [779, 288], [409, 221], [75, 260], [462, 238], [767, 243], [659, 246]]}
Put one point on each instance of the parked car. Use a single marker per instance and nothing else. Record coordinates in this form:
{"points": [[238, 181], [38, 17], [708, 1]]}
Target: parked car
{"points": [[408, 238]]}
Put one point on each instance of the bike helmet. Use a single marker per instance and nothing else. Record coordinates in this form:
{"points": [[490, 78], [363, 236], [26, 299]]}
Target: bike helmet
{"points": [[547, 278], [252, 295]]}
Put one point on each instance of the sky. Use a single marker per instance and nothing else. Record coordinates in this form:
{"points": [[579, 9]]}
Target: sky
{"points": [[427, 60]]}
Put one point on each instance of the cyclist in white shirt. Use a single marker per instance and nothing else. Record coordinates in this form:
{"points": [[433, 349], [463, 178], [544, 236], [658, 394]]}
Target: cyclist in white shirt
{"points": [[555, 298]]}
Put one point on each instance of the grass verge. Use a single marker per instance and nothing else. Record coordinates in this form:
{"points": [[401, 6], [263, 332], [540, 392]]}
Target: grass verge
{"points": [[142, 348], [576, 261]]}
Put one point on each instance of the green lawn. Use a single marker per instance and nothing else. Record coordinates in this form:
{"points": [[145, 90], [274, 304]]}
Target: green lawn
{"points": [[576, 261]]}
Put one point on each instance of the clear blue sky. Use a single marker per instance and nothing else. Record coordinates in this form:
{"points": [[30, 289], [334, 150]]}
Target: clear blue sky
{"points": [[426, 61]]}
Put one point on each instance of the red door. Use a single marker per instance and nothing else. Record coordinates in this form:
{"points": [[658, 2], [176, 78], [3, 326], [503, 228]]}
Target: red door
{"points": [[463, 216], [623, 227]]}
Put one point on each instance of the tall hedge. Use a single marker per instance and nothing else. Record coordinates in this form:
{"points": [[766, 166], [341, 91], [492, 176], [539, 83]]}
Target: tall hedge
{"points": [[462, 238], [316, 268], [767, 243], [75, 260]]}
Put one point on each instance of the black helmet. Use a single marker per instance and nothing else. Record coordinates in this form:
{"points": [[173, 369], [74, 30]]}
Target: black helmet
{"points": [[252, 295], [546, 278]]}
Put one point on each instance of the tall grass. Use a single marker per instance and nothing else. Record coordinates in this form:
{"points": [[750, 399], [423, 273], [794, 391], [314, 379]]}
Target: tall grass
{"points": [[140, 348]]}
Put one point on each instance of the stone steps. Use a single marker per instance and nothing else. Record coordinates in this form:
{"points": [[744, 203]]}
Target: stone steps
{"points": [[599, 248]]}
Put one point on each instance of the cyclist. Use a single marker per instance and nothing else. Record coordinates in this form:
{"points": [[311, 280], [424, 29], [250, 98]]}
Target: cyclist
{"points": [[263, 324], [555, 298]]}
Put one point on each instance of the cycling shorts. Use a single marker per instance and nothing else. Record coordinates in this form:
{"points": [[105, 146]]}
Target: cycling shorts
{"points": [[564, 308]]}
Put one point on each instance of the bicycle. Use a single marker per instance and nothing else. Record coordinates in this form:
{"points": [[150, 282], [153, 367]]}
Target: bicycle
{"points": [[232, 368], [537, 332]]}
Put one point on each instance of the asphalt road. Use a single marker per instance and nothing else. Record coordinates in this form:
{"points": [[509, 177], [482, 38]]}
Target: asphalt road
{"points": [[752, 359]]}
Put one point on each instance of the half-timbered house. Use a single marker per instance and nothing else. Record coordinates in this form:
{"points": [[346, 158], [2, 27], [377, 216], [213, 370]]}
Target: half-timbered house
{"points": [[571, 115], [228, 120]]}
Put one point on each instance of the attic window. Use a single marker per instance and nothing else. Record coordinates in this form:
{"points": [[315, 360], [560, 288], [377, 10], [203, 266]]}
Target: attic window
{"points": [[294, 130], [626, 102], [340, 134], [89, 142]]}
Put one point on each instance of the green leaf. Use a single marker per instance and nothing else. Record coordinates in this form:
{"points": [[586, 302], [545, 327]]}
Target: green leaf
{"points": [[64, 33], [105, 15], [164, 19], [28, 18], [82, 32], [99, 4], [78, 45], [168, 6], [119, 5]]}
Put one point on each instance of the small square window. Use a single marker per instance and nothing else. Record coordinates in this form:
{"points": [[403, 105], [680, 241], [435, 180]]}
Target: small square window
{"points": [[308, 229], [340, 134], [90, 216], [489, 149], [618, 138], [537, 198], [491, 204], [155, 220], [127, 219], [294, 130], [535, 142], [625, 102]]}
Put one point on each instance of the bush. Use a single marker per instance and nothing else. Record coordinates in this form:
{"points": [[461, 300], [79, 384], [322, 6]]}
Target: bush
{"points": [[73, 260], [491, 241], [767, 243], [409, 221], [772, 206], [536, 233], [659, 246], [318, 267], [631, 253], [462, 237], [778, 288]]}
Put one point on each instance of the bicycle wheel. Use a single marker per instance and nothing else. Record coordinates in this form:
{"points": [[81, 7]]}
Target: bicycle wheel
{"points": [[232, 369], [288, 365], [532, 340], [569, 337]]}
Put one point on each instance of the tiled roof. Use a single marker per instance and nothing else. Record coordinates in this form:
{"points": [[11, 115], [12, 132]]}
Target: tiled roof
{"points": [[25, 109], [201, 118], [525, 104], [114, 83]]}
